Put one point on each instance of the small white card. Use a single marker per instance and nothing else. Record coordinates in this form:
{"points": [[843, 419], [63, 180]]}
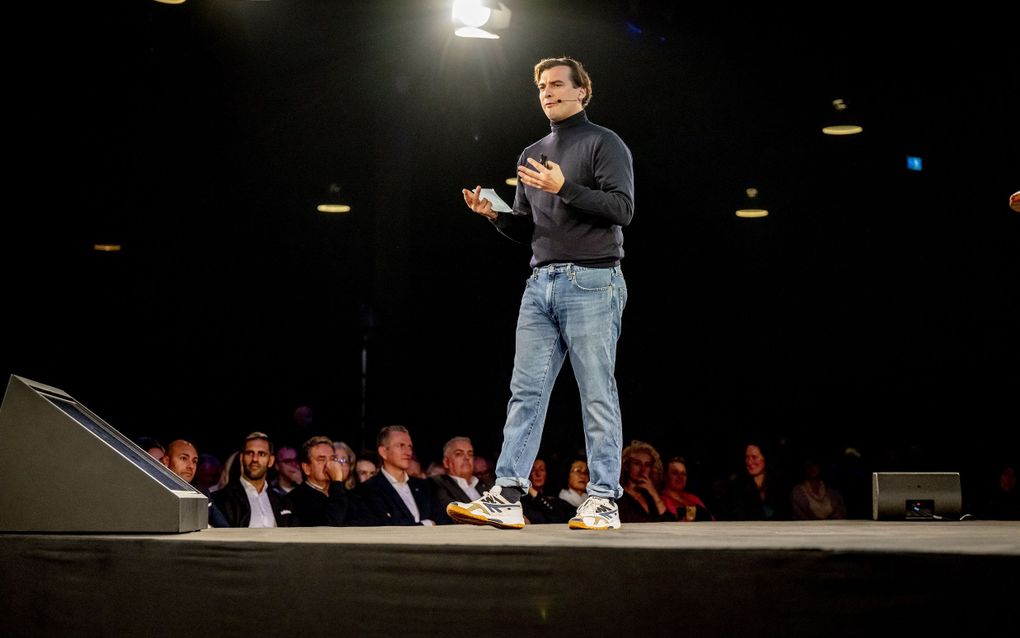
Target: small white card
{"points": [[498, 204]]}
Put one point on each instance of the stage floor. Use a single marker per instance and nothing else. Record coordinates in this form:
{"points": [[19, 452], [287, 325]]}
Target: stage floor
{"points": [[753, 579], [958, 537]]}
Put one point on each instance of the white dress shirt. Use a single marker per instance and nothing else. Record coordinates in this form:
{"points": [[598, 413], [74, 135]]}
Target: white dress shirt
{"points": [[261, 509], [468, 486], [404, 490]]}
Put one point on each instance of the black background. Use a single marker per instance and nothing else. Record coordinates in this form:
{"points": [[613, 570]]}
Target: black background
{"points": [[875, 307]]}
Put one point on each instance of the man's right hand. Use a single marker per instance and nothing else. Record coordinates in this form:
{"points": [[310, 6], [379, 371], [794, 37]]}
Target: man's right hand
{"points": [[479, 204]]}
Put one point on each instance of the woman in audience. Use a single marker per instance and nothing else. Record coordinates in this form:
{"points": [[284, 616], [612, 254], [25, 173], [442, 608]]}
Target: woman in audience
{"points": [[641, 475], [814, 499], [757, 493], [682, 504]]}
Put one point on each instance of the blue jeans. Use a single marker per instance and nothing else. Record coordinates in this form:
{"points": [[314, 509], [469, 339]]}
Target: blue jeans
{"points": [[567, 309]]}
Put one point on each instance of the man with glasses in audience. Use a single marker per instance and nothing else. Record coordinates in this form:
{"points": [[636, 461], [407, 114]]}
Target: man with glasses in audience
{"points": [[288, 471], [250, 502], [322, 499]]}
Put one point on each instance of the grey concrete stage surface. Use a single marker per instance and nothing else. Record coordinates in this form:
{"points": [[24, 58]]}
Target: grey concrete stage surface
{"points": [[752, 579]]}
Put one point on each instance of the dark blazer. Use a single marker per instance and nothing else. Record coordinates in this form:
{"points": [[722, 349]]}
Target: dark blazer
{"points": [[447, 491], [381, 505], [232, 502]]}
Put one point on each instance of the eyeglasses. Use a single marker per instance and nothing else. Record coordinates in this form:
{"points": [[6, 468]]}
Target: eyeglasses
{"points": [[334, 459]]}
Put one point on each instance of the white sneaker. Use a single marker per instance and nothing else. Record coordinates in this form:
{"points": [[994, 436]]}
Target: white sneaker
{"points": [[596, 513], [490, 509]]}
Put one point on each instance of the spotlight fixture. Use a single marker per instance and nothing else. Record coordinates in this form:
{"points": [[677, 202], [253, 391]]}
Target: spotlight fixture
{"points": [[473, 15], [841, 120], [752, 205]]}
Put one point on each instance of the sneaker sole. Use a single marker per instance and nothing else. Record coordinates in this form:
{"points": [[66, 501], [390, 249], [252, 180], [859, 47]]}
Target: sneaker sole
{"points": [[580, 525], [461, 515]]}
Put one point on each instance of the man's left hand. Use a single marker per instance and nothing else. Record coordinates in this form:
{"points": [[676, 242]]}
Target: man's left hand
{"points": [[548, 178]]}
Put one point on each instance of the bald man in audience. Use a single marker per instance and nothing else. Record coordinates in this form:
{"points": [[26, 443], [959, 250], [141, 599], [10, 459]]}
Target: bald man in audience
{"points": [[182, 459]]}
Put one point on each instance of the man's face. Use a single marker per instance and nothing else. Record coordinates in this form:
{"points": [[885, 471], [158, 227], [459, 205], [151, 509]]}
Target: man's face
{"points": [[554, 84], [398, 450], [182, 459], [460, 460], [256, 459], [287, 464], [315, 468]]}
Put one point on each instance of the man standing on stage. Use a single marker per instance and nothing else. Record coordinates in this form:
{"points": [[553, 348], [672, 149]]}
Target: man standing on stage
{"points": [[575, 192]]}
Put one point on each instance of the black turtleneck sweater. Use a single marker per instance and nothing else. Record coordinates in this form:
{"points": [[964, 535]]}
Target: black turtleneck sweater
{"points": [[583, 223]]}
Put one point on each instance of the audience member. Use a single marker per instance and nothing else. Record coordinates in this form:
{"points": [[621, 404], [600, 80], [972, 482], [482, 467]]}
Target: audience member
{"points": [[288, 470], [757, 493], [249, 501], [642, 472], [391, 497], [485, 470], [208, 474], [539, 507], [345, 456], [814, 499], [577, 484], [321, 499], [152, 446], [231, 470], [436, 468], [683, 505], [457, 483], [367, 466], [182, 458], [414, 468]]}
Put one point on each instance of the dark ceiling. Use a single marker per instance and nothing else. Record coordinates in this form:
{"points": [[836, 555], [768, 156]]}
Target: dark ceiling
{"points": [[872, 302]]}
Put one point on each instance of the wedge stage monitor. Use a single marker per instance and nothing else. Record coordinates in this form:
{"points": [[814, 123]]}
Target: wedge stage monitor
{"points": [[64, 469]]}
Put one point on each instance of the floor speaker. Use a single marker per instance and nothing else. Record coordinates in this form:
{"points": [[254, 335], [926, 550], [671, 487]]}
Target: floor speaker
{"points": [[64, 469], [916, 496]]}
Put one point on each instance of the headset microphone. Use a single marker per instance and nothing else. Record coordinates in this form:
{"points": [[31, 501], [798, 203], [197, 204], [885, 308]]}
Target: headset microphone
{"points": [[567, 101]]}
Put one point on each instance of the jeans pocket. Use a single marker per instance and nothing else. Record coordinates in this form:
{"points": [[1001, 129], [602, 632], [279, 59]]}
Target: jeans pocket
{"points": [[592, 279]]}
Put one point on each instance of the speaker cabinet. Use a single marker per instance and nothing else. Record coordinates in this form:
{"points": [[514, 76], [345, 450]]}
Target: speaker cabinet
{"points": [[915, 496]]}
